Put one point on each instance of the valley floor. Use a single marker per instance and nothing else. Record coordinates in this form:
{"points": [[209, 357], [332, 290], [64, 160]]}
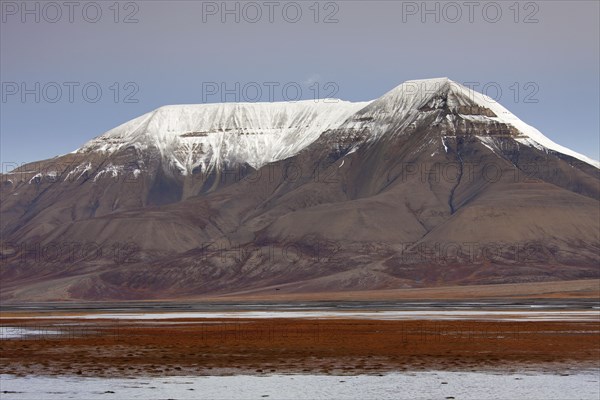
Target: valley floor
{"points": [[432, 350]]}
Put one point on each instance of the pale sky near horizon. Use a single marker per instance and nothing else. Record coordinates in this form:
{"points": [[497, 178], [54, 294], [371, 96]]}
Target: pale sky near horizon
{"points": [[544, 56]]}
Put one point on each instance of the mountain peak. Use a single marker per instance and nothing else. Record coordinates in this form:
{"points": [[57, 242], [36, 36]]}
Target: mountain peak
{"points": [[398, 109], [414, 92]]}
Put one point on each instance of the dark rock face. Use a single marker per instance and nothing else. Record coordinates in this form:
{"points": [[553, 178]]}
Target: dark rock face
{"points": [[444, 193]]}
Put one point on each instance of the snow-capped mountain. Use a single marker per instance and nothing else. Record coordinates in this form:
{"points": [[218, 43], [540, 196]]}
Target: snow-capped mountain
{"points": [[354, 190], [207, 136], [403, 107]]}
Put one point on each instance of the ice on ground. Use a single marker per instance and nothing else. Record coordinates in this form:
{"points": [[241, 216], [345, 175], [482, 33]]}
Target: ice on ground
{"points": [[418, 385], [15, 332], [589, 315]]}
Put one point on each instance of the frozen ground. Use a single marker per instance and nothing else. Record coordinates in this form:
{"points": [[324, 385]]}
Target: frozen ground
{"points": [[421, 385]]}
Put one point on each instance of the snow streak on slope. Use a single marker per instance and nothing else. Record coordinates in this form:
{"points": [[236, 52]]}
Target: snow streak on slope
{"points": [[210, 135]]}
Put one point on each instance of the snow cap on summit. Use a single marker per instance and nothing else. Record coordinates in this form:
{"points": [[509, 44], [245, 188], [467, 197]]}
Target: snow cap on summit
{"points": [[210, 135]]}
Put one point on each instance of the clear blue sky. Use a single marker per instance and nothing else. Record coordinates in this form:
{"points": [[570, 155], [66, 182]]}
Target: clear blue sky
{"points": [[549, 50]]}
